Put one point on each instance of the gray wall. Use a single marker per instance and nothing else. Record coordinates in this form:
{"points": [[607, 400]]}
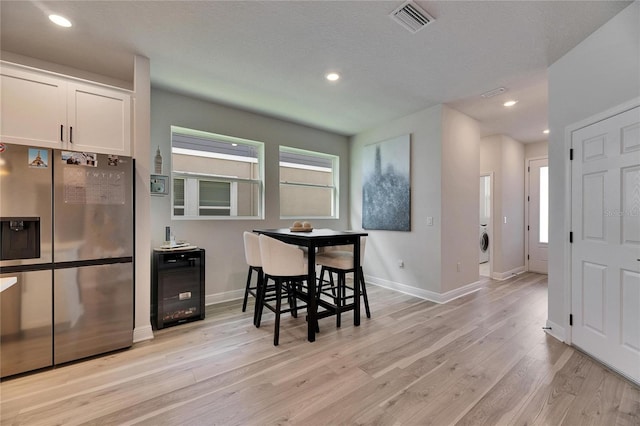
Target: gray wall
{"points": [[440, 138], [512, 206], [420, 249], [222, 239], [603, 71], [536, 150], [505, 158], [460, 200]]}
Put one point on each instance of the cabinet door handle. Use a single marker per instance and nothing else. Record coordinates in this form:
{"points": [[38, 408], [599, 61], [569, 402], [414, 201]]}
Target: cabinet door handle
{"points": [[61, 133], [171, 261], [70, 134]]}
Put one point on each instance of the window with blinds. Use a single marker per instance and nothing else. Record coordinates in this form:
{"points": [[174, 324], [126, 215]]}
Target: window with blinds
{"points": [[308, 184], [215, 176]]}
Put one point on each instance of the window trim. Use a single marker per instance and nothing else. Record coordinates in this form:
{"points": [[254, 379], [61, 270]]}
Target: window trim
{"points": [[186, 175], [192, 192], [335, 171]]}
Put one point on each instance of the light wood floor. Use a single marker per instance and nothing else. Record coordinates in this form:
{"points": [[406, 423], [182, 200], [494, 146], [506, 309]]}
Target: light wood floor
{"points": [[481, 359]]}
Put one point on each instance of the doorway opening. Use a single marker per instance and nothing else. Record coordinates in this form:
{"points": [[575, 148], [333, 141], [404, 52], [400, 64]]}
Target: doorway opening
{"points": [[485, 228]]}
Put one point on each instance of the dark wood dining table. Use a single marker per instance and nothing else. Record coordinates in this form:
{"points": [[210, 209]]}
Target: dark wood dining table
{"points": [[312, 240]]}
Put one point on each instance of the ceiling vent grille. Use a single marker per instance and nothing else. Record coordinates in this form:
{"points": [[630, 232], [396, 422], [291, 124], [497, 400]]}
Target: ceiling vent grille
{"points": [[494, 92], [411, 17]]}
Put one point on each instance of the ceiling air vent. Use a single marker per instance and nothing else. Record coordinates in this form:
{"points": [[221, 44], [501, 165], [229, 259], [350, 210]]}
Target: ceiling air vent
{"points": [[494, 92], [411, 16]]}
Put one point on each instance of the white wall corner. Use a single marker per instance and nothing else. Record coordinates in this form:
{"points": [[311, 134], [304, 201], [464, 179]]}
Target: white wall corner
{"points": [[141, 151], [424, 294], [143, 333], [227, 296], [556, 331], [501, 276]]}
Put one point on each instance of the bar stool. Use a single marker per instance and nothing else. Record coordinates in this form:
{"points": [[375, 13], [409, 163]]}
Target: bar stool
{"points": [[339, 260], [253, 259], [286, 265]]}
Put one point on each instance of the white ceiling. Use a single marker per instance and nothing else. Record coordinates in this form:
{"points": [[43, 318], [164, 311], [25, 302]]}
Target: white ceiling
{"points": [[271, 56]]}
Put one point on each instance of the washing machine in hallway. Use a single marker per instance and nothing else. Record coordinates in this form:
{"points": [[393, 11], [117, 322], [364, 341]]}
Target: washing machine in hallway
{"points": [[484, 244]]}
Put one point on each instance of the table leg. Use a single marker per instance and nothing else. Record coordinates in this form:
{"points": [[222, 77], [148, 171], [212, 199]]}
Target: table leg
{"points": [[356, 282], [312, 306]]}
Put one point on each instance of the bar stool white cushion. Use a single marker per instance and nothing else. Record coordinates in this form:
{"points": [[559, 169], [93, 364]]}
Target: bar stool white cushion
{"points": [[253, 259], [286, 265], [281, 259], [340, 257], [336, 259], [252, 249]]}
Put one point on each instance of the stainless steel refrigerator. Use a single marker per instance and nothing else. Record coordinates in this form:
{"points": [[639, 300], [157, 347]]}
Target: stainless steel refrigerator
{"points": [[66, 256]]}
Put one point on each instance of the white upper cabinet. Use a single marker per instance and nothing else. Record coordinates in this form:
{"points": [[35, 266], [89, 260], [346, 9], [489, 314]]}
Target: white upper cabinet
{"points": [[47, 110], [33, 108], [99, 119]]}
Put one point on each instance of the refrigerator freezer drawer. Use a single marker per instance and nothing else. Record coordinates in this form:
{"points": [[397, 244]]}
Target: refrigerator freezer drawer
{"points": [[93, 310], [26, 331]]}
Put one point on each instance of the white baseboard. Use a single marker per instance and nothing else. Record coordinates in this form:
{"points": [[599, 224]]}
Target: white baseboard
{"points": [[146, 333], [461, 291], [141, 334], [554, 330], [425, 294], [212, 299], [501, 276]]}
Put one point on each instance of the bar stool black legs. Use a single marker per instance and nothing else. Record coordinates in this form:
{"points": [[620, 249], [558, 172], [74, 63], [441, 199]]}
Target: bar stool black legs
{"points": [[286, 265], [249, 290], [282, 289], [338, 291]]}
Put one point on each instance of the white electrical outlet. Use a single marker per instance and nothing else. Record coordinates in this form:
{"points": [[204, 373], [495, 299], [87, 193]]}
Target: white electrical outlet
{"points": [[505, 219], [429, 221], [400, 263], [459, 266]]}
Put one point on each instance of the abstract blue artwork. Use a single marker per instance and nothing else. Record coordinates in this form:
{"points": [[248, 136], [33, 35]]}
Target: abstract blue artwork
{"points": [[386, 189]]}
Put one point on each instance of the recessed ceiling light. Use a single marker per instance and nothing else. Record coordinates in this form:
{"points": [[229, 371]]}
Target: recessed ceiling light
{"points": [[60, 20], [546, 132], [332, 76], [510, 103]]}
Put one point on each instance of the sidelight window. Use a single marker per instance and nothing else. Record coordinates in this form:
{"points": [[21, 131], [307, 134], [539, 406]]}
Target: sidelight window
{"points": [[544, 204]]}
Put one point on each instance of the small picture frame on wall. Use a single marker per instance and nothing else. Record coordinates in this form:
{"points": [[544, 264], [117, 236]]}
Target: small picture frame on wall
{"points": [[159, 185]]}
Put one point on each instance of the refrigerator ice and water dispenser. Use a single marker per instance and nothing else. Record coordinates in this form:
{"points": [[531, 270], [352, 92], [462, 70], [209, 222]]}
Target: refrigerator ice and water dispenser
{"points": [[20, 237]]}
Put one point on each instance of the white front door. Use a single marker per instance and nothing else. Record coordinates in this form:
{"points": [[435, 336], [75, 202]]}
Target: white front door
{"points": [[605, 221], [538, 215]]}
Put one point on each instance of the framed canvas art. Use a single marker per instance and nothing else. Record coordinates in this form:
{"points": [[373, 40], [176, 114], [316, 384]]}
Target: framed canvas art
{"points": [[386, 189]]}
